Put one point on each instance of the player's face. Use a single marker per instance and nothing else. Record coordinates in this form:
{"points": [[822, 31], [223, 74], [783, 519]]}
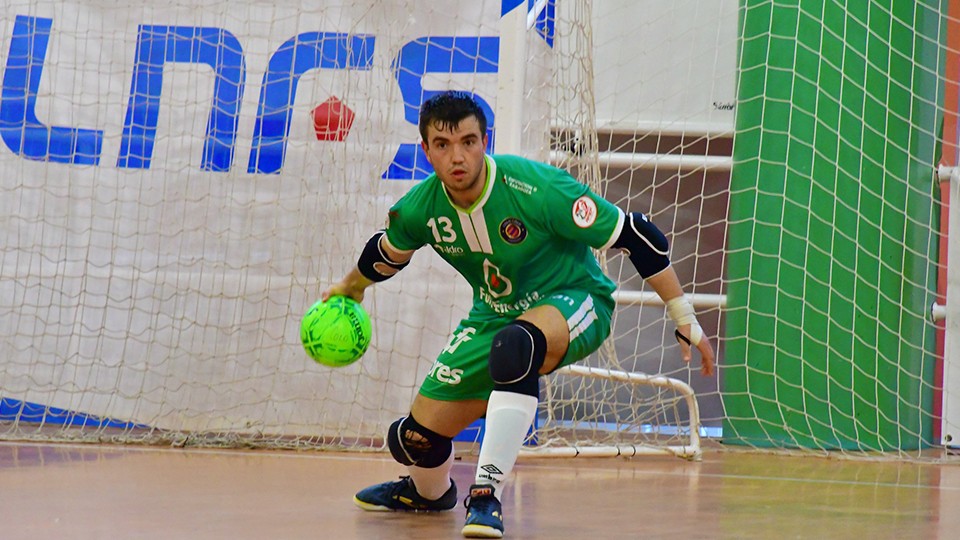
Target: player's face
{"points": [[456, 154]]}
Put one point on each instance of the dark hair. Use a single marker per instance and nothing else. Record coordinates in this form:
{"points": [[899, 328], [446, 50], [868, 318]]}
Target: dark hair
{"points": [[446, 109]]}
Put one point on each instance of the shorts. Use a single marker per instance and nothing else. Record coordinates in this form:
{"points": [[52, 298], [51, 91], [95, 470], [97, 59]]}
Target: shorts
{"points": [[461, 371]]}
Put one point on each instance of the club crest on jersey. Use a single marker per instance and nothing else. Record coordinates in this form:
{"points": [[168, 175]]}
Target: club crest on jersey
{"points": [[512, 230], [584, 212]]}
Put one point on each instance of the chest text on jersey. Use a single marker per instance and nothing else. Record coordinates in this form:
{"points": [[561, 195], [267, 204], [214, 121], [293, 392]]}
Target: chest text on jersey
{"points": [[502, 308], [448, 250]]}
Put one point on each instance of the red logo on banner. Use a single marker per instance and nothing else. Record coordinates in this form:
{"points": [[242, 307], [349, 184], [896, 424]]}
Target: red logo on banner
{"points": [[332, 120]]}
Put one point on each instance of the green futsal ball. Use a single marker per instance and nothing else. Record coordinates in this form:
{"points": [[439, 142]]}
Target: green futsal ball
{"points": [[337, 332]]}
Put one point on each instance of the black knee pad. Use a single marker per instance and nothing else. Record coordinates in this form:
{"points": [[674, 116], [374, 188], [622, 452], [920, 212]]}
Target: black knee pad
{"points": [[412, 444], [516, 357]]}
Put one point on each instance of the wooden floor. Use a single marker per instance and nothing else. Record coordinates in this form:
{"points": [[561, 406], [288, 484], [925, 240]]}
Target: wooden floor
{"points": [[108, 492]]}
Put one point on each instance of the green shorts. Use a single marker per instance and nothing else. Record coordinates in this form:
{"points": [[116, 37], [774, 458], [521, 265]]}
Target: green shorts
{"points": [[461, 371]]}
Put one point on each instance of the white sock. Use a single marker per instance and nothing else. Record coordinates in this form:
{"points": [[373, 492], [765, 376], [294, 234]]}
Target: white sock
{"points": [[509, 416], [432, 483]]}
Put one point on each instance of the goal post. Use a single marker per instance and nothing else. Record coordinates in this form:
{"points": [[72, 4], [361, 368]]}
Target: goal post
{"points": [[628, 435]]}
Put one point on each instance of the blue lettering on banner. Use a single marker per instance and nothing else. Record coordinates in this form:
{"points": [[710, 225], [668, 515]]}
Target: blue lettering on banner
{"points": [[157, 45], [545, 22], [23, 133], [434, 54], [544, 15], [20, 129], [295, 57], [506, 6]]}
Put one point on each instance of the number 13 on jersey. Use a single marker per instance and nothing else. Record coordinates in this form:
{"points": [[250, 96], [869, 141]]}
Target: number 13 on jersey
{"points": [[442, 229]]}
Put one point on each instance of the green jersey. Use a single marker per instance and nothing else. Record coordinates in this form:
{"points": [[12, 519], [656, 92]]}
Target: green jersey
{"points": [[526, 237]]}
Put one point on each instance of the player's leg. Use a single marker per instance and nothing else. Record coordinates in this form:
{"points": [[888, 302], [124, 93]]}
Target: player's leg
{"points": [[422, 441], [446, 419], [563, 329], [452, 396], [533, 344], [519, 352]]}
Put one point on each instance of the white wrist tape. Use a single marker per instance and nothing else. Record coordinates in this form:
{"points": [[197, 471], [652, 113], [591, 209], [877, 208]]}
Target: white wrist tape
{"points": [[681, 311]]}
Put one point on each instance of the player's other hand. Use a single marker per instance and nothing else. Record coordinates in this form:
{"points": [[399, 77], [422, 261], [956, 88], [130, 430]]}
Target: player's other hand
{"points": [[706, 350], [343, 289], [352, 285]]}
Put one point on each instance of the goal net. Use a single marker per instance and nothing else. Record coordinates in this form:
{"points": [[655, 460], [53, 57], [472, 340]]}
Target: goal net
{"points": [[834, 225], [181, 182], [641, 105]]}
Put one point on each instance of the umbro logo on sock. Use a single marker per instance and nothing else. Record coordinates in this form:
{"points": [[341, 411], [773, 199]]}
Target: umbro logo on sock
{"points": [[491, 468]]}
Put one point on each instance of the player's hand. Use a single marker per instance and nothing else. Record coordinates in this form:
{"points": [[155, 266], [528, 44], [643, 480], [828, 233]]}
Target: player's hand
{"points": [[705, 348], [352, 285], [339, 289]]}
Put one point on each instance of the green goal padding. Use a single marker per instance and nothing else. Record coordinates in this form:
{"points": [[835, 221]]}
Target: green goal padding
{"points": [[830, 283]]}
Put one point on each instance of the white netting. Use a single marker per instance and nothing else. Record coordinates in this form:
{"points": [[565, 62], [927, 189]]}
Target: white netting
{"points": [[173, 209], [180, 182]]}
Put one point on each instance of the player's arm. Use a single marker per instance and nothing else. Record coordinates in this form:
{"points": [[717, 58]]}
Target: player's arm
{"points": [[688, 332], [378, 261], [647, 248]]}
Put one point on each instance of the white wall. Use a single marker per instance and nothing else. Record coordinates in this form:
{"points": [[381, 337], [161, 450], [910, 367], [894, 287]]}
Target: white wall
{"points": [[665, 65]]}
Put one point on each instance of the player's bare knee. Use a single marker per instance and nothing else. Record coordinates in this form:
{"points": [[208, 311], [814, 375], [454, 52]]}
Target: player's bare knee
{"points": [[516, 356], [412, 444]]}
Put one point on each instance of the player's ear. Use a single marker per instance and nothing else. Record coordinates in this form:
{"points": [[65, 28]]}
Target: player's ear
{"points": [[423, 145]]}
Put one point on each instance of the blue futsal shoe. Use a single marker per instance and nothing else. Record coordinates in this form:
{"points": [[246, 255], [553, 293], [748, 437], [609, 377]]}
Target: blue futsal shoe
{"points": [[402, 495], [484, 514]]}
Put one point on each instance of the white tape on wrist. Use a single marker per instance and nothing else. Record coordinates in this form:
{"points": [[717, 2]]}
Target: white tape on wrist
{"points": [[681, 311]]}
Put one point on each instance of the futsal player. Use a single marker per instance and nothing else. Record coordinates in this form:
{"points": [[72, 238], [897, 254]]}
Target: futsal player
{"points": [[520, 232]]}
